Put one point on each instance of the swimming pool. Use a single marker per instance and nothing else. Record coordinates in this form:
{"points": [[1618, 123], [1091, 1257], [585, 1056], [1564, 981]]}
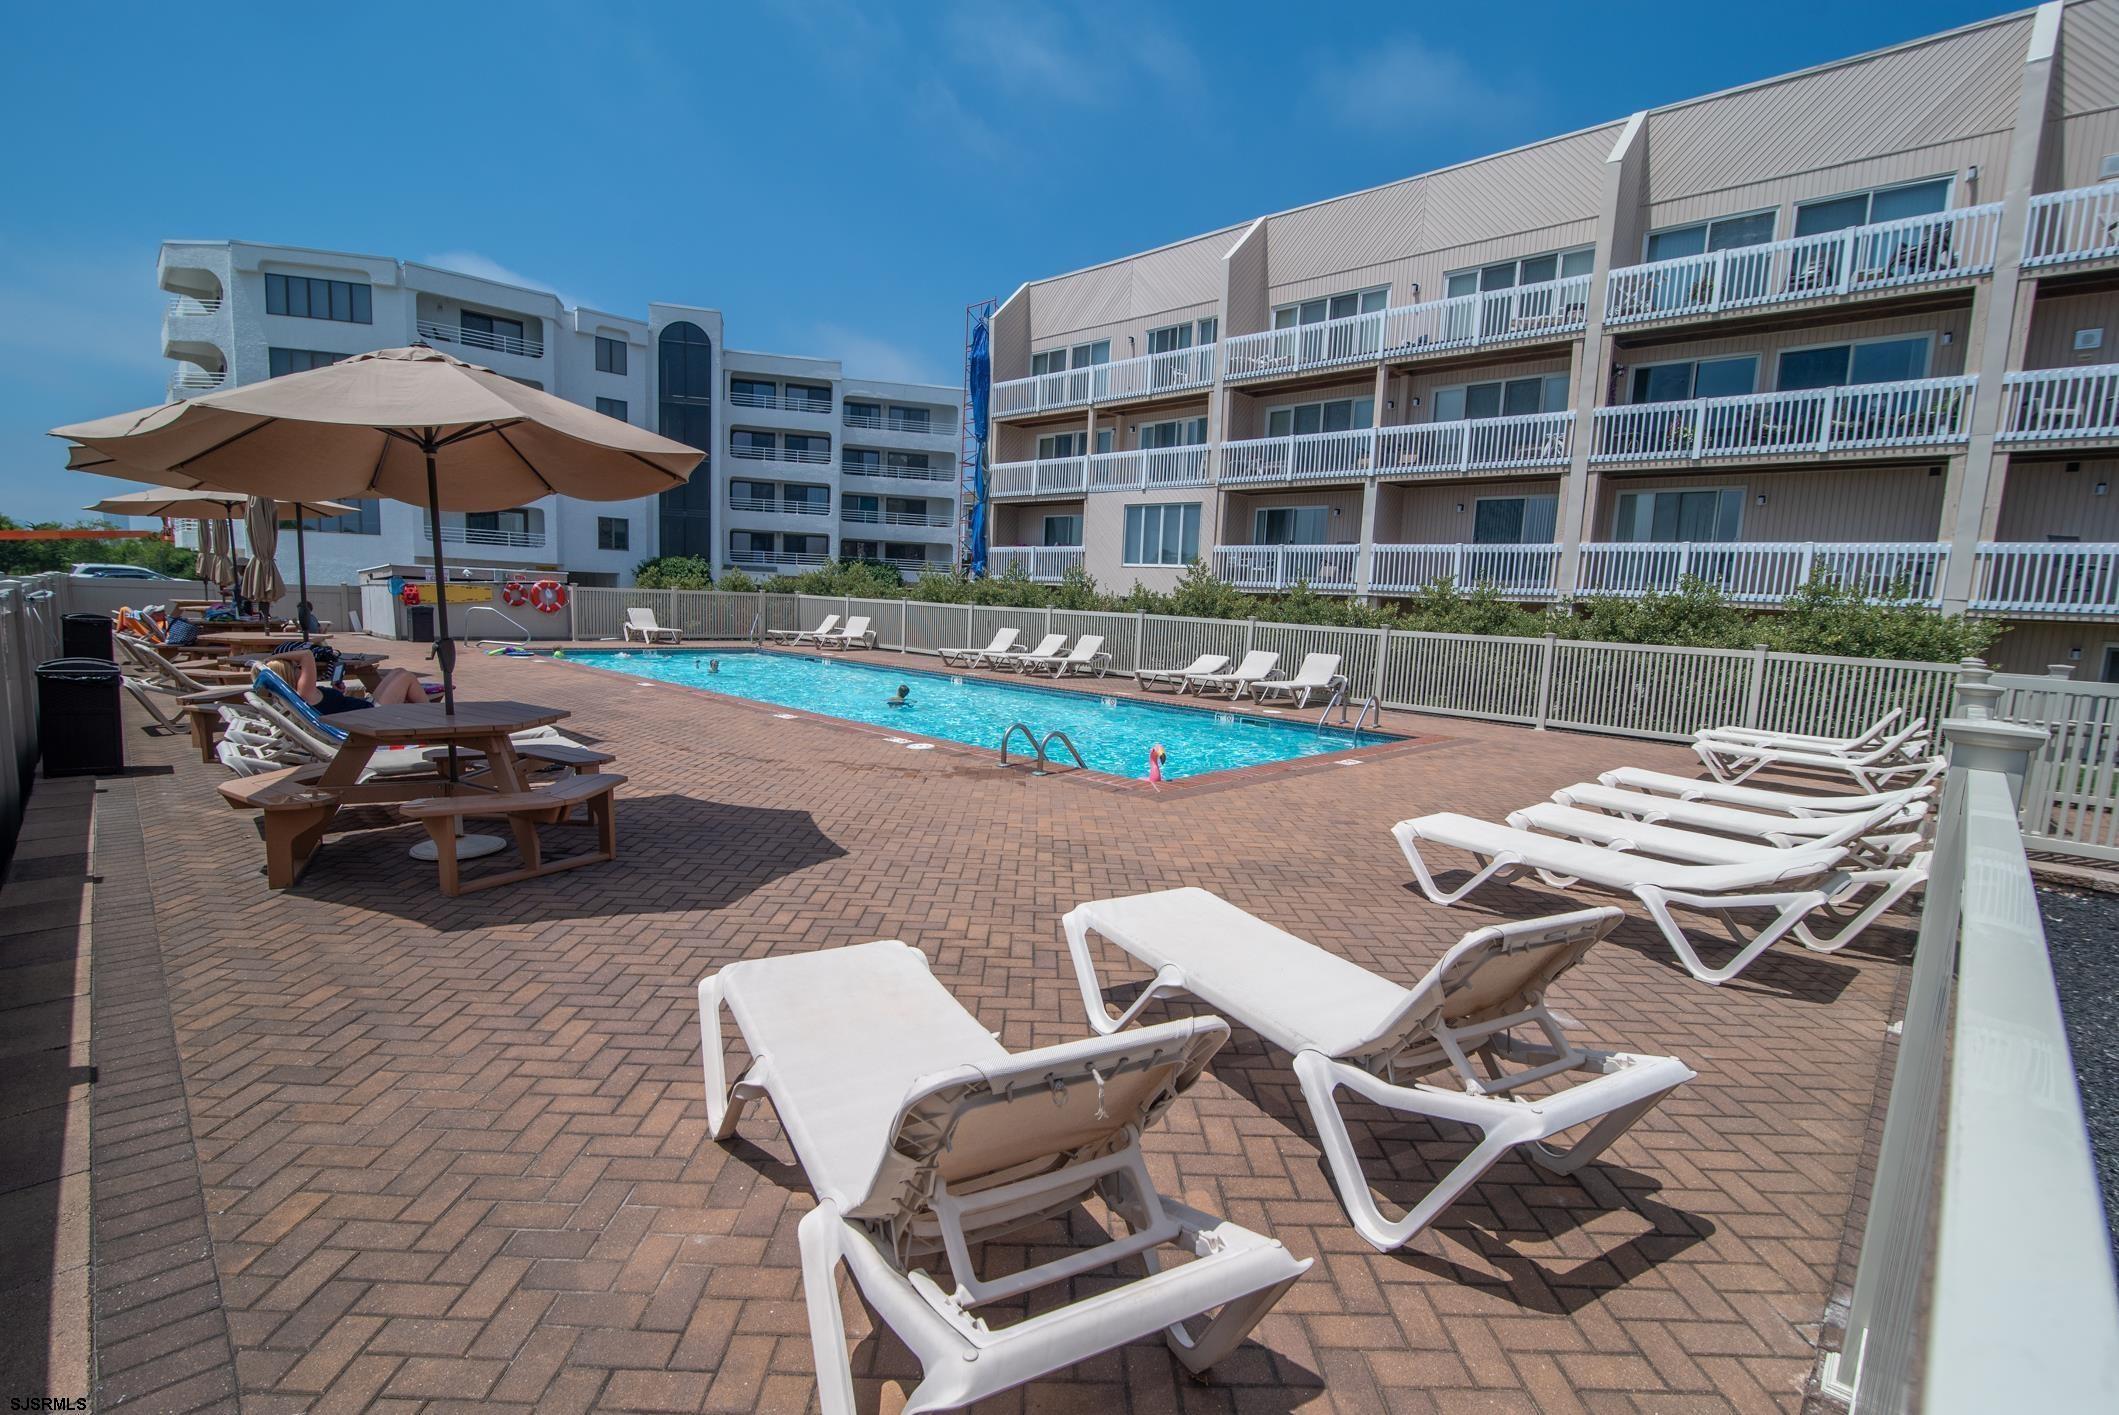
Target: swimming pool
{"points": [[1113, 734]]}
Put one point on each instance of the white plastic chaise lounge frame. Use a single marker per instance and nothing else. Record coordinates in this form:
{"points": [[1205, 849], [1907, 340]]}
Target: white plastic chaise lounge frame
{"points": [[1351, 1029], [1015, 659], [1319, 673], [1003, 642], [1758, 798], [1873, 768], [1086, 656], [856, 631], [640, 620], [1792, 883], [1206, 663], [922, 1135], [1883, 833], [1257, 664], [801, 636], [1870, 736]]}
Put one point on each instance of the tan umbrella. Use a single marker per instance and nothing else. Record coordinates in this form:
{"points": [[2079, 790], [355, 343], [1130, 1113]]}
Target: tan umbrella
{"points": [[262, 581], [207, 508], [412, 424]]}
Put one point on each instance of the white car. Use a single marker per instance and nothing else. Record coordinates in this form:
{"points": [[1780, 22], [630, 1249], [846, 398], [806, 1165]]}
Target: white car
{"points": [[118, 572]]}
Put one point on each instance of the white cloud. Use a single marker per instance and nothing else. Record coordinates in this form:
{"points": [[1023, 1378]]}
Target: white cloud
{"points": [[484, 267], [1081, 54], [866, 356], [1406, 81]]}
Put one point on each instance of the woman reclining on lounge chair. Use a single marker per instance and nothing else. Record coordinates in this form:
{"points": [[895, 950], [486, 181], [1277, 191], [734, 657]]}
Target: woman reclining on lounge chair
{"points": [[298, 667]]}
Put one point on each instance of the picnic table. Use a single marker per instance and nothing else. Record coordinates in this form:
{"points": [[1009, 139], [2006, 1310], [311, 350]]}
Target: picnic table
{"points": [[259, 639]]}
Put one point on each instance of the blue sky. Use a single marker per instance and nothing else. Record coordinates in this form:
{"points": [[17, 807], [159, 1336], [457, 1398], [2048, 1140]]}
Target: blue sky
{"points": [[839, 178]]}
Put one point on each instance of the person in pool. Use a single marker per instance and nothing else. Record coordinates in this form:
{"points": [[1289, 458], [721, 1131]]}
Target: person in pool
{"points": [[298, 668], [901, 698]]}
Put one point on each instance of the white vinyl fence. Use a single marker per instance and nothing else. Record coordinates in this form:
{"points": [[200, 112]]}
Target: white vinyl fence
{"points": [[2071, 794], [30, 609]]}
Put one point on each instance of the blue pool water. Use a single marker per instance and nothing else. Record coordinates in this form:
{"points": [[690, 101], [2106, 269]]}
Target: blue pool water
{"points": [[1114, 734]]}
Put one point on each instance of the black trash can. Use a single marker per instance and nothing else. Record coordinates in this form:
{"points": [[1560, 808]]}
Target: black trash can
{"points": [[419, 623], [81, 716], [87, 636]]}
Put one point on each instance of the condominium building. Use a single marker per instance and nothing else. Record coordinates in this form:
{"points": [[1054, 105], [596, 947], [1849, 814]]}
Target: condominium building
{"points": [[1852, 319], [804, 463]]}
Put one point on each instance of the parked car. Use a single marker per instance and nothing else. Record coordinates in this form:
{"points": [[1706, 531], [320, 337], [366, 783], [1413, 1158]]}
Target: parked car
{"points": [[88, 571]]}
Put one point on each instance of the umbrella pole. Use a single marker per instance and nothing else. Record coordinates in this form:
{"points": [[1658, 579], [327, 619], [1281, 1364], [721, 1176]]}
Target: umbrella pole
{"points": [[444, 646], [301, 574]]}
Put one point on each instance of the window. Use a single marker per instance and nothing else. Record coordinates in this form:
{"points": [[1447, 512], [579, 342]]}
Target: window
{"points": [[365, 519], [908, 419], [1209, 330], [1530, 270], [908, 510], [303, 297], [1071, 444], [685, 411], [758, 445], [1289, 525], [612, 408], [1162, 535], [907, 461], [1879, 204], [1341, 306], [806, 545], [864, 414], [1170, 338], [860, 508], [804, 497], [1183, 432], [1080, 356], [750, 393], [498, 329], [808, 397], [1672, 516], [1545, 393], [610, 356], [613, 532], [1063, 530], [1837, 365], [1515, 520], [859, 459], [1338, 415], [1753, 228], [283, 361], [1696, 378], [802, 447], [753, 495]]}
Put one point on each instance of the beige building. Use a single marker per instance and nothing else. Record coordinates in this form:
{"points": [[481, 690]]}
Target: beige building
{"points": [[1863, 318]]}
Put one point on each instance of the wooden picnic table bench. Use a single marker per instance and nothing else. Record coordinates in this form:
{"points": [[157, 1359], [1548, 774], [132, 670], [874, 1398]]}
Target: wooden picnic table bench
{"points": [[524, 811]]}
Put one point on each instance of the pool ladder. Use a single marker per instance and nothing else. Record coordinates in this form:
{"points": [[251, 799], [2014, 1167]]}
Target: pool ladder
{"points": [[1372, 708], [1038, 745]]}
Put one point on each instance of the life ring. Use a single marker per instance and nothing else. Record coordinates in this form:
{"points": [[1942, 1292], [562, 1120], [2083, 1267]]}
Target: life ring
{"points": [[515, 594], [409, 594], [548, 596]]}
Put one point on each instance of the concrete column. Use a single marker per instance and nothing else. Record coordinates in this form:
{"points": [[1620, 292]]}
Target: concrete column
{"points": [[1975, 479], [1366, 560]]}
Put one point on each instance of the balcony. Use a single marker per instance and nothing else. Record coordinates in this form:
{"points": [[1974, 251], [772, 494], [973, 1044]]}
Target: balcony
{"points": [[2082, 224], [1919, 250], [785, 402], [191, 307], [806, 456], [1765, 572], [1304, 457], [1045, 563], [890, 422], [1329, 569], [2064, 579], [1148, 376], [189, 381], [435, 332], [1517, 571], [777, 560], [473, 535], [2061, 405], [1550, 309], [897, 473], [1148, 469], [774, 506], [1923, 412], [1475, 445], [854, 515], [1052, 476]]}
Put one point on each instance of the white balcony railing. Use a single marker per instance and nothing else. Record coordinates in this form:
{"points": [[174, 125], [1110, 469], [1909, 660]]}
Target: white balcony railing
{"points": [[433, 331], [1765, 572], [189, 306], [777, 506], [1489, 317], [2082, 224], [1147, 376], [2045, 577], [478, 535], [189, 381], [889, 422], [1518, 571], [1330, 569], [785, 402], [1916, 413], [1354, 339], [2054, 405], [1947, 245], [862, 516], [808, 456], [1050, 476], [1148, 468], [1438, 449], [1040, 562], [1313, 456], [778, 559]]}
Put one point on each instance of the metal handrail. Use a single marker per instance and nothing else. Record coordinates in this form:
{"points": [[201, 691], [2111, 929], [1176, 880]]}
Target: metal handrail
{"points": [[1373, 705], [1028, 736], [757, 627], [1069, 741], [509, 618], [1337, 700]]}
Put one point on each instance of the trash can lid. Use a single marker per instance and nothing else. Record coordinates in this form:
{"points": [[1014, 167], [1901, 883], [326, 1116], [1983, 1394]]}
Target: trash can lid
{"points": [[79, 670], [88, 619]]}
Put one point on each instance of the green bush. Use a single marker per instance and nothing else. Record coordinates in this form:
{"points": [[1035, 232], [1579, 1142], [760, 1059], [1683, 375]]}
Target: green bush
{"points": [[37, 557], [674, 572], [1827, 618]]}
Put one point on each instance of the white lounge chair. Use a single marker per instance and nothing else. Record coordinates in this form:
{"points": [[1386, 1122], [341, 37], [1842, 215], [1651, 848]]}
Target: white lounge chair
{"points": [[802, 636], [1003, 642], [1349, 1028], [642, 622], [1086, 655], [1873, 768], [922, 1136], [855, 632], [1257, 664], [1014, 659], [1205, 664], [1868, 737], [1758, 798], [1792, 883], [1887, 825], [1319, 674]]}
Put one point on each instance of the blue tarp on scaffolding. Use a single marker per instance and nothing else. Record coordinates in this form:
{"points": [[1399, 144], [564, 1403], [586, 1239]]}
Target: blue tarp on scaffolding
{"points": [[978, 373]]}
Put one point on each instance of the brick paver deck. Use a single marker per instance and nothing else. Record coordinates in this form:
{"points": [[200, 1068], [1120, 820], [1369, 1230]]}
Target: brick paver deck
{"points": [[454, 1151]]}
